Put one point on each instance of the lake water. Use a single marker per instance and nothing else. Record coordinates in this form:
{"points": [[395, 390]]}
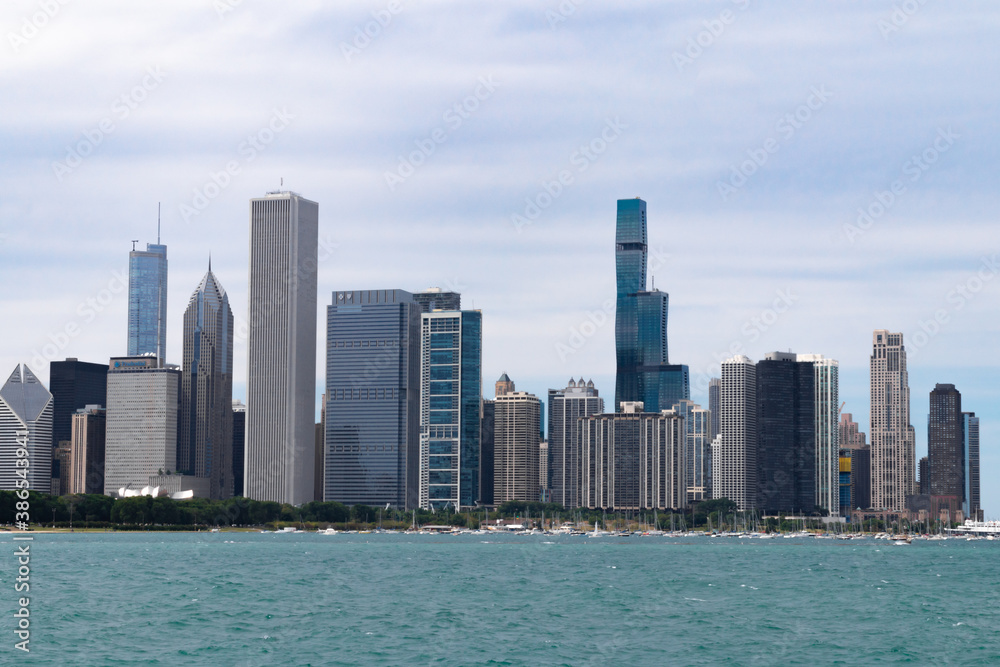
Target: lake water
{"points": [[250, 599]]}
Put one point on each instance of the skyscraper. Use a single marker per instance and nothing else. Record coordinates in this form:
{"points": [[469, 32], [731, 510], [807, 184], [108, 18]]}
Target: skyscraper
{"points": [[516, 447], [25, 424], [633, 460], [487, 429], [566, 407], [644, 372], [147, 300], [373, 398], [892, 438], [713, 406], [450, 397], [87, 450], [945, 445], [786, 435], [239, 445], [141, 432], [971, 506], [205, 437], [74, 384], [698, 449], [852, 444], [735, 476], [281, 349], [826, 401]]}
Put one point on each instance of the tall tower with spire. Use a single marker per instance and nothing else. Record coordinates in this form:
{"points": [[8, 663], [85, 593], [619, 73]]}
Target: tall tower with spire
{"points": [[205, 439], [147, 299]]}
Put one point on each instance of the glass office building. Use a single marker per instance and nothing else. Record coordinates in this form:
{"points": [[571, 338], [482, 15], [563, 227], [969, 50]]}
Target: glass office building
{"points": [[372, 398], [450, 398], [147, 301]]}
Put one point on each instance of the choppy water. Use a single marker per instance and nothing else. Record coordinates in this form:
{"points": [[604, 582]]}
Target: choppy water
{"points": [[261, 599]]}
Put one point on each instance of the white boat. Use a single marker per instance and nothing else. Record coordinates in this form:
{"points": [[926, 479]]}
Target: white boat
{"points": [[970, 527]]}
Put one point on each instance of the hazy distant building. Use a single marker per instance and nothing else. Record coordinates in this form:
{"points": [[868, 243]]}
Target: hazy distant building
{"points": [[503, 386], [74, 384], [281, 349], [786, 435], [698, 449], [971, 506], [713, 405], [735, 476], [141, 433], [827, 428], [205, 436], [450, 408], [633, 460], [373, 398], [147, 301], [25, 424], [435, 298], [516, 446], [239, 442], [893, 464], [86, 468], [566, 407]]}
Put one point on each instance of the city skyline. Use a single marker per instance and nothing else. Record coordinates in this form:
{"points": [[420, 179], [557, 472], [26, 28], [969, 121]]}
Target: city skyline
{"points": [[785, 261]]}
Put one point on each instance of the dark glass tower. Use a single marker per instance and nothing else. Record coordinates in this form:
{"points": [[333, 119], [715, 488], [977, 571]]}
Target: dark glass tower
{"points": [[644, 370], [970, 448], [147, 301], [786, 434], [945, 442], [372, 391], [239, 437], [74, 385]]}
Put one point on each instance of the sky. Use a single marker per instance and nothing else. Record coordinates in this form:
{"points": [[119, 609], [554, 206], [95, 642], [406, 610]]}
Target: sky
{"points": [[812, 171]]}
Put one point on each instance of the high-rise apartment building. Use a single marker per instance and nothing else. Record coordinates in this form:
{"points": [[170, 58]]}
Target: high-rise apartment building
{"points": [[945, 447], [205, 435], [893, 448], [141, 431], [450, 398], [74, 384], [854, 446], [516, 447], [87, 445], [827, 411], [698, 449], [147, 301], [735, 476], [566, 408], [281, 349], [971, 505], [25, 427], [373, 398], [644, 372], [786, 435], [633, 460], [487, 429]]}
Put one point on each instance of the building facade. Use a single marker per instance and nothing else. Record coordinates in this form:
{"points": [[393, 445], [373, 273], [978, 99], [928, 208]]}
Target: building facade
{"points": [[786, 435], [487, 430], [435, 298], [450, 408], [827, 411], [25, 432], [945, 447], [205, 435], [147, 301], [239, 443], [566, 407], [698, 449], [735, 476], [281, 349], [141, 432], [373, 398], [971, 505], [87, 450], [516, 447], [713, 404], [633, 460], [893, 448], [74, 384]]}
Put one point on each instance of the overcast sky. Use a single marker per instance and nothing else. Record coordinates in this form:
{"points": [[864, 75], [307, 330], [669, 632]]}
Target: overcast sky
{"points": [[481, 147]]}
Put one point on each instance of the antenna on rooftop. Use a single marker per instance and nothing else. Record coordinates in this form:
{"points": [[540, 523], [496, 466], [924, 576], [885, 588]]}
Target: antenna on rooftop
{"points": [[134, 241]]}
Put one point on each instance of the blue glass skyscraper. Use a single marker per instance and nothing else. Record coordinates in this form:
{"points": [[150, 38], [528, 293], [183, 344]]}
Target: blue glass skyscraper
{"points": [[147, 301], [450, 408], [644, 370]]}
